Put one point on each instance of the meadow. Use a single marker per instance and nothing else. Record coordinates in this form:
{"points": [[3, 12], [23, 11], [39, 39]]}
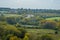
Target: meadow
{"points": [[53, 18], [11, 15]]}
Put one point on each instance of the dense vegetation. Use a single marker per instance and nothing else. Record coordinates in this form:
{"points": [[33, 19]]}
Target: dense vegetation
{"points": [[31, 25]]}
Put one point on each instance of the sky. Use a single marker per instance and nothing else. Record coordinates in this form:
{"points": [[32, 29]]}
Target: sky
{"points": [[33, 4]]}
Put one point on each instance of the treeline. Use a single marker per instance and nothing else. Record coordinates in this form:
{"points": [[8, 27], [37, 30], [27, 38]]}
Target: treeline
{"points": [[39, 10], [22, 10]]}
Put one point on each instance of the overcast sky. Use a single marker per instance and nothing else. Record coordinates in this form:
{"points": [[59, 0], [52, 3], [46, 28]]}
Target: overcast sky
{"points": [[41, 4]]}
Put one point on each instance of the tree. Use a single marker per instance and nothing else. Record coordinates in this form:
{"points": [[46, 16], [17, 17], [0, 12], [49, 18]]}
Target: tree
{"points": [[18, 25], [2, 17], [49, 24], [11, 20]]}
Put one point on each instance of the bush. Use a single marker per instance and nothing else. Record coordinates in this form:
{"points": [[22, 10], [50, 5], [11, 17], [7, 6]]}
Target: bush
{"points": [[26, 38], [46, 37], [14, 38], [22, 34]]}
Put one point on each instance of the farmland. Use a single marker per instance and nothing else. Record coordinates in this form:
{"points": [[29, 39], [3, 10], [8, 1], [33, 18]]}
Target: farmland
{"points": [[53, 18], [11, 15]]}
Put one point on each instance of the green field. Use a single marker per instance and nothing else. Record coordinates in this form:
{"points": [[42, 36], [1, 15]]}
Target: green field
{"points": [[11, 15], [39, 14], [46, 14], [53, 18]]}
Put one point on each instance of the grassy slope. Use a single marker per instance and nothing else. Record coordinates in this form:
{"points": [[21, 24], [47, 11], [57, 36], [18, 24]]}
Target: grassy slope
{"points": [[39, 32]]}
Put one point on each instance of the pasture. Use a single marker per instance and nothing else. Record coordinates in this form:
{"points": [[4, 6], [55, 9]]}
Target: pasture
{"points": [[11, 15], [53, 18]]}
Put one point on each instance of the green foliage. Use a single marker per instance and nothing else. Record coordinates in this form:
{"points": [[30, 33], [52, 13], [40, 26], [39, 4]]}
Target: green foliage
{"points": [[26, 38], [11, 20], [14, 38], [12, 28], [6, 31], [49, 24], [18, 25], [46, 37]]}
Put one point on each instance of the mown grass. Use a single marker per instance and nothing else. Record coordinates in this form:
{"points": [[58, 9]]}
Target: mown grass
{"points": [[53, 18]]}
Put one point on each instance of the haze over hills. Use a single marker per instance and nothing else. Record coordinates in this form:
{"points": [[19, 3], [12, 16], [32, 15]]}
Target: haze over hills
{"points": [[31, 10]]}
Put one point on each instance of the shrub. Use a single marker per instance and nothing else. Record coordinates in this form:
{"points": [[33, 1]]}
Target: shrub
{"points": [[26, 38], [46, 37], [22, 34], [14, 38]]}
